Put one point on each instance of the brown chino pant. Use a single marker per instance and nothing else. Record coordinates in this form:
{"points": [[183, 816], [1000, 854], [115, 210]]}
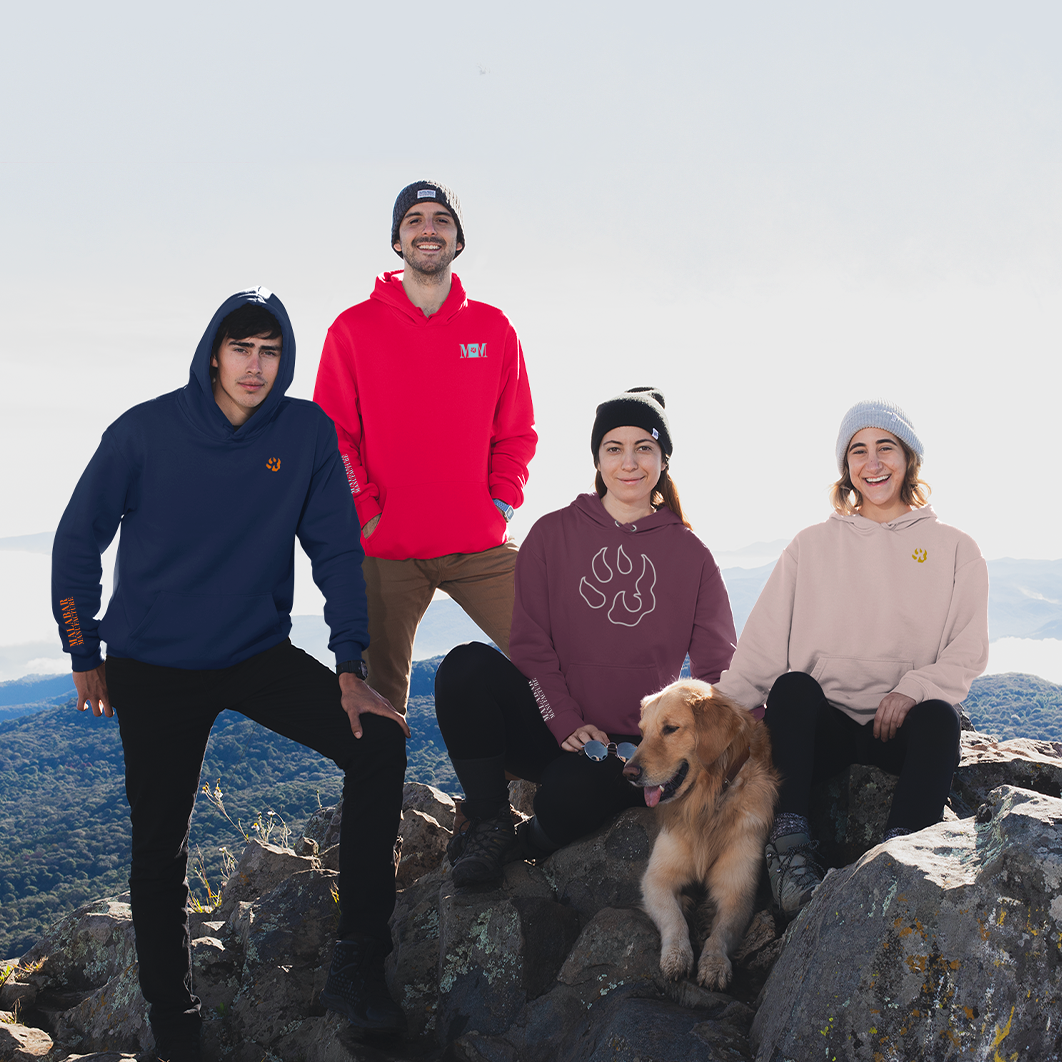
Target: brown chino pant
{"points": [[399, 592]]}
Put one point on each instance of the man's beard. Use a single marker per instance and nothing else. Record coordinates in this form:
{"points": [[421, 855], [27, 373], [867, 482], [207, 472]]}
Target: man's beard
{"points": [[434, 267]]}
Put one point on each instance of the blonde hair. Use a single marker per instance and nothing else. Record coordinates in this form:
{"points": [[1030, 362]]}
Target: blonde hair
{"points": [[846, 499]]}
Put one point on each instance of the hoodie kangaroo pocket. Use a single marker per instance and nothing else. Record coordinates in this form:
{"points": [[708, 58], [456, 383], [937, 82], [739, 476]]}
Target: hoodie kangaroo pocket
{"points": [[857, 683], [203, 630]]}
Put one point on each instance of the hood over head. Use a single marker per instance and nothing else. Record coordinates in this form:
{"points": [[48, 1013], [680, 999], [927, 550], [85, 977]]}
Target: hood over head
{"points": [[198, 394]]}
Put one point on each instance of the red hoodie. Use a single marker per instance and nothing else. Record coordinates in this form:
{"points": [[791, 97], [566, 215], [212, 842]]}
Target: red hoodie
{"points": [[605, 614], [434, 419]]}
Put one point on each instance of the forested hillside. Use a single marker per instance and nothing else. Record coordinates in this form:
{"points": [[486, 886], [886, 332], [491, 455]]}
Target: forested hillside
{"points": [[65, 822], [64, 819], [1011, 706]]}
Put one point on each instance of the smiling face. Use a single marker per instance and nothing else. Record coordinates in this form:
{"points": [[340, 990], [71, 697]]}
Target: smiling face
{"points": [[630, 462], [245, 372], [427, 238], [877, 467]]}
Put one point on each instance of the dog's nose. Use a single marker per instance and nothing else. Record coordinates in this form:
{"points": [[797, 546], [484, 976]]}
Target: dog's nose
{"points": [[632, 772]]}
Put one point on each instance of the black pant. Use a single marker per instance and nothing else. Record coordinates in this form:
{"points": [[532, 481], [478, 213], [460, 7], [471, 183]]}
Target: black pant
{"points": [[486, 709], [165, 715], [812, 741]]}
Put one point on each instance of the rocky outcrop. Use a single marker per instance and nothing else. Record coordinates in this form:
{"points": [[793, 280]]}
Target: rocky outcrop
{"points": [[945, 944]]}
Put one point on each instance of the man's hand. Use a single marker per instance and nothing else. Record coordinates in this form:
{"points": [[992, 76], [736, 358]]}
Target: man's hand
{"points": [[587, 732], [92, 692], [890, 715], [368, 529], [359, 697]]}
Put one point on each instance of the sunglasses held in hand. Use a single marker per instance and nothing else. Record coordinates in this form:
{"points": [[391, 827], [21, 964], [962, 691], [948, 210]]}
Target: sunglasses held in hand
{"points": [[598, 750]]}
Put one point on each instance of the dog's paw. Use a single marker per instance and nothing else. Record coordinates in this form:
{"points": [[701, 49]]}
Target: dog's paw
{"points": [[676, 961], [714, 970]]}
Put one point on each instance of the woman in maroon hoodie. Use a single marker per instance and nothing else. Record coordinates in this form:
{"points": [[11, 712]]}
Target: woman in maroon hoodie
{"points": [[612, 593]]}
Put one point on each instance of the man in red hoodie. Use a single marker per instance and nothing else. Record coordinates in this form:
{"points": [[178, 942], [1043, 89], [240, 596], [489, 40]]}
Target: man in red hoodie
{"points": [[430, 399]]}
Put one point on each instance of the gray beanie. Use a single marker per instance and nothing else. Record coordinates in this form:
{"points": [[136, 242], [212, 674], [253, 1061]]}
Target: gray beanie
{"points": [[417, 192], [876, 413]]}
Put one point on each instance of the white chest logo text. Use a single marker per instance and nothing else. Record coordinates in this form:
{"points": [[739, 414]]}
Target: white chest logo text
{"points": [[624, 612]]}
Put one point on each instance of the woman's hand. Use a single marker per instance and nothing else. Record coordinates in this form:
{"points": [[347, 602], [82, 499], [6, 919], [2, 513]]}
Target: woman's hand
{"points": [[368, 529], [890, 715], [587, 732]]}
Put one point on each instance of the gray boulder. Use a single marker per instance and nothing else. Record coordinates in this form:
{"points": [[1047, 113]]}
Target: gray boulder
{"points": [[940, 945], [84, 971], [20, 1043], [261, 868], [498, 948], [604, 869]]}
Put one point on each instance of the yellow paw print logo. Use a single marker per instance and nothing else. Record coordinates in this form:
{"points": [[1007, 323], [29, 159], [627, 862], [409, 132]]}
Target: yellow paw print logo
{"points": [[273, 464], [919, 555]]}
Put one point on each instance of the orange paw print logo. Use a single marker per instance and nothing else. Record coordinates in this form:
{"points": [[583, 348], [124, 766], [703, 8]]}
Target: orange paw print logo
{"points": [[919, 555], [273, 464]]}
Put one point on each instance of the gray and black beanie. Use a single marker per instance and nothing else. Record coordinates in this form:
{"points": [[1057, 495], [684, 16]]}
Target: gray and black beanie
{"points": [[640, 407], [421, 190]]}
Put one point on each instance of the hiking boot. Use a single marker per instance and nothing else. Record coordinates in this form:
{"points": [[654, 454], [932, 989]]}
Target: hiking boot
{"points": [[794, 870], [356, 987], [484, 848]]}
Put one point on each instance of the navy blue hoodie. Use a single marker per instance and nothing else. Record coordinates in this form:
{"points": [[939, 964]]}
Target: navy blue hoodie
{"points": [[209, 514]]}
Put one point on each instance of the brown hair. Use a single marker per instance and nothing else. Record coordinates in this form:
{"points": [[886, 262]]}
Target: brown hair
{"points": [[846, 499], [664, 493]]}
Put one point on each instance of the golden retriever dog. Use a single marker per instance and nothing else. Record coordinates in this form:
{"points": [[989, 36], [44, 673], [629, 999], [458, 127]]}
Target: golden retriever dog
{"points": [[705, 764]]}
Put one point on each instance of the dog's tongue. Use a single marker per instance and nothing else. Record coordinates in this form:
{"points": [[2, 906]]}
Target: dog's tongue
{"points": [[652, 795]]}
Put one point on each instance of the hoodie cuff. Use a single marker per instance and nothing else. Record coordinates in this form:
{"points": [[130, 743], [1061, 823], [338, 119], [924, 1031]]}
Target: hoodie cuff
{"points": [[90, 662], [367, 507], [564, 725]]}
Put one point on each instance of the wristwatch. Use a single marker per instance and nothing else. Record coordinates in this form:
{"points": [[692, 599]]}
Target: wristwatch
{"points": [[353, 667], [504, 508]]}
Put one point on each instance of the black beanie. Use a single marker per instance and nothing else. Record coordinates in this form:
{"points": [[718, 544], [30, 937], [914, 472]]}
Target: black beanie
{"points": [[640, 407], [420, 190]]}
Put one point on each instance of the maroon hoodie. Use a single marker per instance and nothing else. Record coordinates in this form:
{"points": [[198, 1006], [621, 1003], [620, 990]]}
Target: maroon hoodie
{"points": [[605, 614]]}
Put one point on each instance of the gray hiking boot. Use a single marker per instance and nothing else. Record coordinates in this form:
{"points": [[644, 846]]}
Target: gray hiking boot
{"points": [[794, 870], [485, 847]]}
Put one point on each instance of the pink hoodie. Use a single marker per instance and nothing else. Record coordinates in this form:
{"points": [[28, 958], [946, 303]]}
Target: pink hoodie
{"points": [[606, 613], [867, 609]]}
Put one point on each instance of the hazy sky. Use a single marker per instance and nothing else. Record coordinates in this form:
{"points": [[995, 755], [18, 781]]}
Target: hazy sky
{"points": [[768, 210]]}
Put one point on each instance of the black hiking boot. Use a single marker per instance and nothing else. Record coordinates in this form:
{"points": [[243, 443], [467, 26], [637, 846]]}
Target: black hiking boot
{"points": [[485, 846], [357, 989]]}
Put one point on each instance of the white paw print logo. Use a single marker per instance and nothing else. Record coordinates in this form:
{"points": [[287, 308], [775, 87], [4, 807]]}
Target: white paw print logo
{"points": [[629, 604]]}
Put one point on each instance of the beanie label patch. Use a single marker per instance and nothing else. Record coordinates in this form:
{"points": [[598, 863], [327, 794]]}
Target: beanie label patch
{"points": [[656, 434], [426, 193]]}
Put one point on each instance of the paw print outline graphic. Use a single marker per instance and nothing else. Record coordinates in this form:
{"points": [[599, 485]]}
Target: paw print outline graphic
{"points": [[624, 611], [919, 555]]}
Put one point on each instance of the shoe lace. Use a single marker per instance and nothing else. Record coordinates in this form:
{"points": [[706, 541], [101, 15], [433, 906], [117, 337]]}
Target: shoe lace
{"points": [[798, 864], [486, 837]]}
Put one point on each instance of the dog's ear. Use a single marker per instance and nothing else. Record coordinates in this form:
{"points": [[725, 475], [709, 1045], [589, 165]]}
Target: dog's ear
{"points": [[717, 726]]}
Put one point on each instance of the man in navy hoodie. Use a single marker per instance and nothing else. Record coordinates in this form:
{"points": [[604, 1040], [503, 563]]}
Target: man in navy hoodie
{"points": [[210, 485]]}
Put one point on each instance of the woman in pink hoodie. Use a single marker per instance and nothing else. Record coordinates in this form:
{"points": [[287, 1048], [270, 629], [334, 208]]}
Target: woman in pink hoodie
{"points": [[867, 635], [612, 593]]}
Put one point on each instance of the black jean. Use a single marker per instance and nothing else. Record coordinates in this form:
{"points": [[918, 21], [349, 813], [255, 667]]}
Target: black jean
{"points": [[486, 709], [165, 715], [812, 741]]}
